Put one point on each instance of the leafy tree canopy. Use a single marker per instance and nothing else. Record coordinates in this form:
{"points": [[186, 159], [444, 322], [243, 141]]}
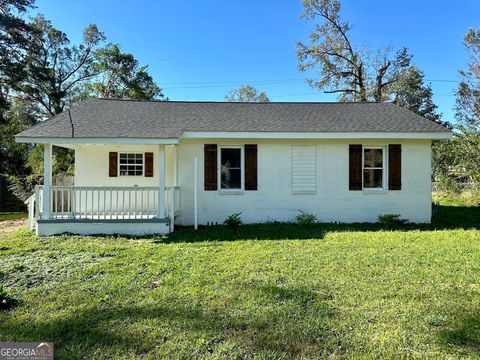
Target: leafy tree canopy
{"points": [[356, 73], [468, 93], [120, 76], [246, 93], [411, 92], [53, 68]]}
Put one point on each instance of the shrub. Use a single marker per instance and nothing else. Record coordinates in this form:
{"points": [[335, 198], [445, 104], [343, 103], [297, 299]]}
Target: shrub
{"points": [[305, 218], [233, 221], [448, 185], [390, 220], [6, 301]]}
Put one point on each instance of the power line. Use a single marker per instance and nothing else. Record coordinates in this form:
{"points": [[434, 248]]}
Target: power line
{"points": [[220, 84], [239, 59], [443, 80], [300, 94], [231, 81]]}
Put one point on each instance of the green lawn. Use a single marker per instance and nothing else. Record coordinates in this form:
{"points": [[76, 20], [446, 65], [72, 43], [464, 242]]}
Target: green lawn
{"points": [[276, 291], [12, 216]]}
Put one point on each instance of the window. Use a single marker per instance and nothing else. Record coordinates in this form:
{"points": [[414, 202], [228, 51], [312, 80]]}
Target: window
{"points": [[131, 164], [231, 164], [373, 167]]}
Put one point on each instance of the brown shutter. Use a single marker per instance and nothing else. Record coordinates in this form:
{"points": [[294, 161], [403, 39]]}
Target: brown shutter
{"points": [[394, 167], [148, 164], [250, 167], [355, 167], [210, 167], [112, 164]]}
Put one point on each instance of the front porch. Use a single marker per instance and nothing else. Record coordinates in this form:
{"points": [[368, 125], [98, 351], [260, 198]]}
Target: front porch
{"points": [[136, 209]]}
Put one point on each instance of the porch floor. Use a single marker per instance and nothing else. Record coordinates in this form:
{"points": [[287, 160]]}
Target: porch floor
{"points": [[94, 226], [108, 217]]}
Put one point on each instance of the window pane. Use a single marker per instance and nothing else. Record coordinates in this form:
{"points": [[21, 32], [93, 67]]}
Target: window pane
{"points": [[372, 178], [231, 178], [131, 164], [372, 158], [231, 158]]}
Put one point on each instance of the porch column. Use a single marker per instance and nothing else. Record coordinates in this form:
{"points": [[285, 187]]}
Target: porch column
{"points": [[161, 181], [47, 179], [175, 165]]}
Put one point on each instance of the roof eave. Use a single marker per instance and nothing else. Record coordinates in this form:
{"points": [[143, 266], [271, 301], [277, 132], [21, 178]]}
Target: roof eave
{"points": [[233, 135], [95, 140], [434, 135]]}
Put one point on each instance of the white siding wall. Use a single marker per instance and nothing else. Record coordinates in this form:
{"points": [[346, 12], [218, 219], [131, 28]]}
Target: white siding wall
{"points": [[91, 165], [274, 199], [91, 169]]}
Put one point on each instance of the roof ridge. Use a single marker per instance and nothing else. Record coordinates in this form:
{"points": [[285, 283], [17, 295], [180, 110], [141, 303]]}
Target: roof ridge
{"points": [[244, 102]]}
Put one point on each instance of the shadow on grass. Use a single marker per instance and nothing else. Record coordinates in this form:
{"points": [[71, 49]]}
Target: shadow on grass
{"points": [[463, 334], [447, 218], [117, 329]]}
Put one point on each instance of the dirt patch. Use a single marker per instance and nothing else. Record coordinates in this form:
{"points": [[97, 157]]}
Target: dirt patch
{"points": [[9, 226]]}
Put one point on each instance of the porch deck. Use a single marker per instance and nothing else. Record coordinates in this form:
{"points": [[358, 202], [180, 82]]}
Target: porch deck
{"points": [[116, 206]]}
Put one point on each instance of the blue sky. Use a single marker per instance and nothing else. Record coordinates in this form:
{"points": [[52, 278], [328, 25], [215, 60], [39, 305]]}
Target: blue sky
{"points": [[199, 50]]}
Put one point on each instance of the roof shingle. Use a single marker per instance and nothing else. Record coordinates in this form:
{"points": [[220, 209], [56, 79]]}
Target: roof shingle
{"points": [[105, 118]]}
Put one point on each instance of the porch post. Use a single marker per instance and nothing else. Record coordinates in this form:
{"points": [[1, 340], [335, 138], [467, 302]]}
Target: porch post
{"points": [[161, 181], [173, 189], [47, 179], [175, 165]]}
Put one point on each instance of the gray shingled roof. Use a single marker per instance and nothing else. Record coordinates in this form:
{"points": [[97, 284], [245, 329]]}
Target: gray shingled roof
{"points": [[168, 119]]}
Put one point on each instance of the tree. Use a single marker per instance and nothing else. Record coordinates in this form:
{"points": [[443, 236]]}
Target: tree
{"points": [[19, 117], [121, 77], [13, 37], [468, 94], [14, 156], [344, 68], [53, 68], [462, 152], [411, 92], [468, 110], [246, 93], [469, 153]]}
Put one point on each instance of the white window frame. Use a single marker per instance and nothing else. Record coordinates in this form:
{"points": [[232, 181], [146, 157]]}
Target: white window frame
{"points": [[384, 149], [242, 169], [131, 152]]}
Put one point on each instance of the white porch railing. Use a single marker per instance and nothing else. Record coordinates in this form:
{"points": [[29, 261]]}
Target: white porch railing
{"points": [[105, 203]]}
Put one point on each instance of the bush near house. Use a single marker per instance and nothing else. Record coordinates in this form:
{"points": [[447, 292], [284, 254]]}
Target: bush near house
{"points": [[277, 291], [233, 221], [305, 218]]}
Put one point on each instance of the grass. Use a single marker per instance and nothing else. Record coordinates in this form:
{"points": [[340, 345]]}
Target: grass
{"points": [[276, 291], [12, 216]]}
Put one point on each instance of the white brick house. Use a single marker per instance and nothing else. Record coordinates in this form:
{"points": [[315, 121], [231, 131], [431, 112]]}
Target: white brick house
{"points": [[141, 166]]}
